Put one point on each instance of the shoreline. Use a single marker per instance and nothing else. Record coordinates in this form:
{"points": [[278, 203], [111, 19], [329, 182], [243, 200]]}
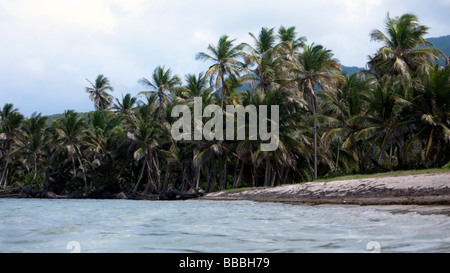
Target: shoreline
{"points": [[431, 189], [421, 189]]}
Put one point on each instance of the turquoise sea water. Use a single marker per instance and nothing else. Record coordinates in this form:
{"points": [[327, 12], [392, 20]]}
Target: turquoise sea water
{"points": [[34, 225]]}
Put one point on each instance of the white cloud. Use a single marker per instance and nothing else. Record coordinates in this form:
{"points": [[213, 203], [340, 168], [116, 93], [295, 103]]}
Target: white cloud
{"points": [[90, 15]]}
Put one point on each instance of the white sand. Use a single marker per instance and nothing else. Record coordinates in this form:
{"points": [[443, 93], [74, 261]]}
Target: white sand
{"points": [[397, 188]]}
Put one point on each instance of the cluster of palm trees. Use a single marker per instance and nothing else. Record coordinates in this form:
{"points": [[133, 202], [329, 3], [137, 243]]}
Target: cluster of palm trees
{"points": [[394, 115]]}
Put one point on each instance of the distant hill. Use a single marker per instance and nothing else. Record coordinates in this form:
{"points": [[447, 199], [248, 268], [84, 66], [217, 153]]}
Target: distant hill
{"points": [[52, 118], [350, 70], [442, 43]]}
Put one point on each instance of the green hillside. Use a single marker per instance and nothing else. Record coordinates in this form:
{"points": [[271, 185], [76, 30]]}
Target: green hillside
{"points": [[443, 43]]}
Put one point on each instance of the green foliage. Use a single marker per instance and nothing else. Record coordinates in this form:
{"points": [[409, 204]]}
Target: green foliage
{"points": [[393, 117], [446, 166]]}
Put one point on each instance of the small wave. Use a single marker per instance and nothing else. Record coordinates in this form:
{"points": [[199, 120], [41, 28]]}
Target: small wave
{"points": [[62, 230]]}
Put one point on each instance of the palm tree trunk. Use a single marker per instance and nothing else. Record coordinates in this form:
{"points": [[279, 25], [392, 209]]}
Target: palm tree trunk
{"points": [[3, 179], [222, 76], [166, 179], [337, 157], [274, 176], [267, 176], [160, 104], [34, 170], [150, 181], [238, 181], [223, 181], [158, 175], [315, 147], [214, 178], [235, 172], [82, 168], [209, 179], [285, 176], [73, 166], [314, 106], [140, 176], [254, 174]]}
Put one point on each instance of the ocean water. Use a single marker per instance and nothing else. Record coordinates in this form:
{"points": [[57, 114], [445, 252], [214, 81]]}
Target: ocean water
{"points": [[123, 226]]}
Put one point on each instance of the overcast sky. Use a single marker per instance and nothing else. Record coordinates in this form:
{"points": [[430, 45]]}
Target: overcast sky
{"points": [[49, 47]]}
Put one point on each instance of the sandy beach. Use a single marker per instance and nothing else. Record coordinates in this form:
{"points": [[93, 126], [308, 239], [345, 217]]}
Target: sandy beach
{"points": [[423, 189]]}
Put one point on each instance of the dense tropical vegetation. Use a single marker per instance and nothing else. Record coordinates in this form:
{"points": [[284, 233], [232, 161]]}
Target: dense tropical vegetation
{"points": [[393, 116]]}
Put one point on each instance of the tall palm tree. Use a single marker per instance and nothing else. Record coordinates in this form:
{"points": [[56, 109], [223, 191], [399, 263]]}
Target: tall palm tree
{"points": [[125, 106], [225, 62], [289, 40], [338, 107], [102, 136], [10, 121], [162, 82], [405, 49], [267, 58], [195, 85], [98, 92], [33, 140], [145, 136], [316, 68], [70, 130], [381, 122]]}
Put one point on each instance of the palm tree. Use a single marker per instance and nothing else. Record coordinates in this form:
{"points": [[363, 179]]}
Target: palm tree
{"points": [[405, 48], [98, 93], [225, 62], [266, 56], [294, 150], [33, 140], [162, 82], [125, 106], [70, 130], [10, 121], [289, 41], [338, 107], [431, 111], [103, 136], [145, 136], [381, 122], [316, 68], [195, 85]]}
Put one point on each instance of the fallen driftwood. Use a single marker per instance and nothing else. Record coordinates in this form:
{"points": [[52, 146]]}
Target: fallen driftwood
{"points": [[9, 195]]}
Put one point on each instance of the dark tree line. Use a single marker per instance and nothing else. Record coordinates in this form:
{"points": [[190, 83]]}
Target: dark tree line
{"points": [[394, 115]]}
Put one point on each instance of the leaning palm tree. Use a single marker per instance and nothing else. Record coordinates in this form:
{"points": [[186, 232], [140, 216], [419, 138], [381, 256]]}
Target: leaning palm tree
{"points": [[98, 93], [225, 62], [316, 68], [162, 82], [405, 49]]}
